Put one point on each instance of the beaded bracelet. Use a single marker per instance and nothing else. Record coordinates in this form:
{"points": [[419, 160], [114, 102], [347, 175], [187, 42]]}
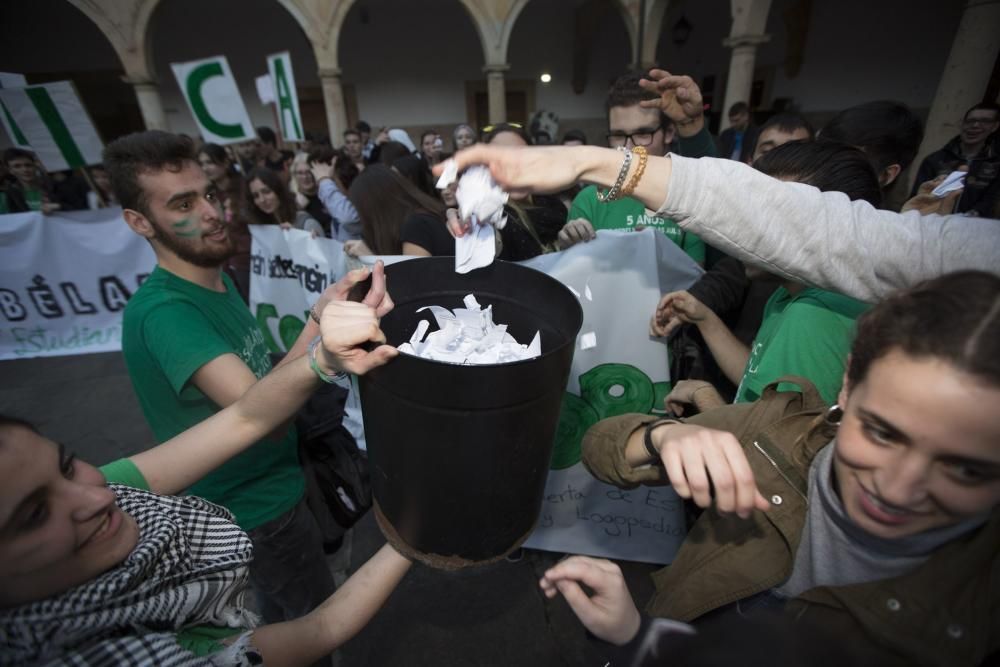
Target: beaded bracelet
{"points": [[615, 191], [640, 168], [314, 364]]}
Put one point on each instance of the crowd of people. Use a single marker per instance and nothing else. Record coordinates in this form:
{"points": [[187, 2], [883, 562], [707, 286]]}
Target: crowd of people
{"points": [[833, 434]]}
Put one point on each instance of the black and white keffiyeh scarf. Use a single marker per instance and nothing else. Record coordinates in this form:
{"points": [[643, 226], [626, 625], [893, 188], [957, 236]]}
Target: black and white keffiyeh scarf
{"points": [[189, 568]]}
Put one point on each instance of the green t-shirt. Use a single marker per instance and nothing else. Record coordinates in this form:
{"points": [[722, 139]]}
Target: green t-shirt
{"points": [[201, 640], [34, 198], [171, 328], [123, 471], [808, 334], [625, 214]]}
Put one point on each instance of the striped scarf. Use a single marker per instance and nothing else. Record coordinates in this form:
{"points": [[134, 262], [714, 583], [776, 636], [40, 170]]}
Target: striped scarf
{"points": [[189, 568]]}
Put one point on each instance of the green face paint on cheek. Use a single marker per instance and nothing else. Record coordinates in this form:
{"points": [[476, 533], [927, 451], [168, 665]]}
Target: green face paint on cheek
{"points": [[186, 228]]}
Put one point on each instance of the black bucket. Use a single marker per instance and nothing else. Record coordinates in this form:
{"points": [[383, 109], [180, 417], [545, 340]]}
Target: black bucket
{"points": [[459, 454]]}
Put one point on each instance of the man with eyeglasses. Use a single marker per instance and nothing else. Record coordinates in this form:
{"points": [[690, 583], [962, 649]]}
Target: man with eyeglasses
{"points": [[975, 147], [630, 124]]}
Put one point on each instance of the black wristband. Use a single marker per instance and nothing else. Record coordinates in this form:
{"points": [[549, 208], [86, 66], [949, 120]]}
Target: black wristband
{"points": [[647, 437]]}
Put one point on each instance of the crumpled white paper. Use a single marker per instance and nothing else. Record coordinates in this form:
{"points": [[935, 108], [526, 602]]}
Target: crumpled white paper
{"points": [[481, 202], [468, 336], [953, 181]]}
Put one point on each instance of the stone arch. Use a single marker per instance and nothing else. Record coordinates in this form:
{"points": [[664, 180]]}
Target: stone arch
{"points": [[429, 71], [127, 30], [126, 26], [630, 10], [655, 11], [172, 37], [322, 21], [494, 22]]}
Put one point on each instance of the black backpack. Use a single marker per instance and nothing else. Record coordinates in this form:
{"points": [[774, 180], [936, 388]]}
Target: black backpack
{"points": [[338, 490]]}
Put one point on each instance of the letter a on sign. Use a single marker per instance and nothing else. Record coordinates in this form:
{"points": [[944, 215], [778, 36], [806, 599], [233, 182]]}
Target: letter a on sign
{"points": [[279, 66], [214, 99]]}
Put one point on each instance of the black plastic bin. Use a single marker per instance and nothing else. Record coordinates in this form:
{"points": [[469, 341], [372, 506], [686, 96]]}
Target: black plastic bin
{"points": [[459, 454]]}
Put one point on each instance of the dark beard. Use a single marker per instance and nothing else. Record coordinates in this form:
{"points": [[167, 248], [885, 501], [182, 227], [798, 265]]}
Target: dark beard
{"points": [[206, 258]]}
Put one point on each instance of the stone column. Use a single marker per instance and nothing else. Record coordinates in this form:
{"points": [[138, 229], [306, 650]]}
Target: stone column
{"points": [[741, 64], [333, 100], [965, 77], [150, 106], [496, 92]]}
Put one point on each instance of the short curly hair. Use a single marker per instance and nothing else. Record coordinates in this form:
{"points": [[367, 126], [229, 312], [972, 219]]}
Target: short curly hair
{"points": [[626, 92], [143, 152]]}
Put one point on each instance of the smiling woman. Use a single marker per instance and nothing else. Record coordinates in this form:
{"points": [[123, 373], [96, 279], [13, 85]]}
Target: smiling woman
{"points": [[879, 511], [105, 567], [270, 203]]}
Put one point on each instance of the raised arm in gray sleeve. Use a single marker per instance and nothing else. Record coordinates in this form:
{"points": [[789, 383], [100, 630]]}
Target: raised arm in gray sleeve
{"points": [[336, 202], [822, 238]]}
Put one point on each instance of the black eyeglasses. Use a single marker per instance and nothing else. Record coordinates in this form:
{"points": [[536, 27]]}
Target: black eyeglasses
{"points": [[980, 121], [641, 137]]}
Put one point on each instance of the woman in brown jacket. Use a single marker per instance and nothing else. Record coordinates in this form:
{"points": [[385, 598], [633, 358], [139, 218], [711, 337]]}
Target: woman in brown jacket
{"points": [[877, 520]]}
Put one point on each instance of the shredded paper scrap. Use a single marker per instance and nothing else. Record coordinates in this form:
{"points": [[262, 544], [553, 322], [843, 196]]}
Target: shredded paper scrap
{"points": [[481, 202], [468, 336]]}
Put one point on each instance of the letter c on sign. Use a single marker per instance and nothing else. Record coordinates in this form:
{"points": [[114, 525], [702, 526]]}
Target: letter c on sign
{"points": [[196, 79]]}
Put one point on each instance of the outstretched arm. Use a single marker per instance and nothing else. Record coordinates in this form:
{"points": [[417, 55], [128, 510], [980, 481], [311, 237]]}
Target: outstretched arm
{"points": [[789, 229], [343, 615], [184, 459], [227, 377]]}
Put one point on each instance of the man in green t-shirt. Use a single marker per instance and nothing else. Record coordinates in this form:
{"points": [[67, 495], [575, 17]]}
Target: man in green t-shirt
{"points": [[192, 348], [630, 124]]}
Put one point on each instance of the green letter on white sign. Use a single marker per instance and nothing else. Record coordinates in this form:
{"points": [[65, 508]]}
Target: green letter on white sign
{"points": [[51, 119], [214, 99], [279, 66]]}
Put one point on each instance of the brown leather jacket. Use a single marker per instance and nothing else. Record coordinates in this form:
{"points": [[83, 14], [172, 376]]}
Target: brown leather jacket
{"points": [[946, 612]]}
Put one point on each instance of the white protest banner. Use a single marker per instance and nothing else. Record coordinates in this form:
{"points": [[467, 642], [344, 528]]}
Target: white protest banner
{"points": [[65, 280], [12, 80], [52, 120], [619, 277], [214, 99], [288, 271], [279, 66], [17, 138]]}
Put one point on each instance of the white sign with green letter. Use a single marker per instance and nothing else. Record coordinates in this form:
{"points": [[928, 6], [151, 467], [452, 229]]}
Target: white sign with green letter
{"points": [[51, 120], [9, 80], [214, 99], [286, 97]]}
